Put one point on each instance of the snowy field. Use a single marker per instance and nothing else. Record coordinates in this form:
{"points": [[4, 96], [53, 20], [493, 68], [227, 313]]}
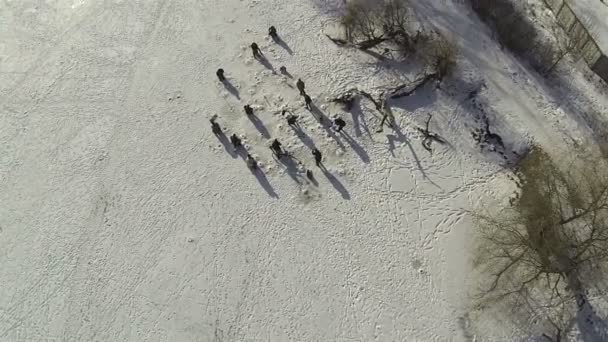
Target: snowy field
{"points": [[123, 218]]}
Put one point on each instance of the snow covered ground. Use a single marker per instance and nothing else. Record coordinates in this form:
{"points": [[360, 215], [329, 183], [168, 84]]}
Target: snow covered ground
{"points": [[123, 218]]}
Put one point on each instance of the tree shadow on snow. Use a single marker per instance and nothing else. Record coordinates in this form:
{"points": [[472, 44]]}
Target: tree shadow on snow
{"points": [[282, 44], [227, 145], [335, 182], [259, 125], [591, 326], [231, 89], [399, 136], [359, 120], [421, 98]]}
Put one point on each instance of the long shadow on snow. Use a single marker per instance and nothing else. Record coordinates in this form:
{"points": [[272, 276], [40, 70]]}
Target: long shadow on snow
{"points": [[356, 147], [291, 167], [399, 136], [259, 125], [231, 89], [259, 175], [326, 123], [227, 145], [305, 138], [335, 182], [592, 327], [423, 97], [282, 44], [359, 119], [262, 59]]}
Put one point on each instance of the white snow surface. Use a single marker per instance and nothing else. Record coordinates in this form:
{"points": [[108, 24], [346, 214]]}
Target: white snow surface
{"points": [[123, 218]]}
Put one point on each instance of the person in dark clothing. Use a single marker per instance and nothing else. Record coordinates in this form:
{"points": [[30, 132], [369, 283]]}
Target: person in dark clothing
{"points": [[276, 148], [248, 109], [300, 85], [220, 75], [308, 102], [318, 156], [236, 141], [252, 164], [339, 124], [272, 32], [215, 127], [257, 53], [283, 70], [292, 120]]}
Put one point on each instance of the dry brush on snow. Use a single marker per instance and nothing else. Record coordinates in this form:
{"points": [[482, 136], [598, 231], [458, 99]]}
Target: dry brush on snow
{"points": [[545, 252]]}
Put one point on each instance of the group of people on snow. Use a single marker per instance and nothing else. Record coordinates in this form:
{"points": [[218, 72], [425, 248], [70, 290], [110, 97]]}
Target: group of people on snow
{"points": [[276, 146]]}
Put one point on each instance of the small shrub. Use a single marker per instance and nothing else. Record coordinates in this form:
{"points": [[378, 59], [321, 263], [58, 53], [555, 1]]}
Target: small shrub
{"points": [[439, 53]]}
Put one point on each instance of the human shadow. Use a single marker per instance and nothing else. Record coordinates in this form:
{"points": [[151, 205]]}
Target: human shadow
{"points": [[335, 182], [259, 125], [227, 144], [305, 138], [291, 167], [325, 123], [261, 177], [264, 61], [282, 44], [359, 150], [231, 89], [399, 136]]}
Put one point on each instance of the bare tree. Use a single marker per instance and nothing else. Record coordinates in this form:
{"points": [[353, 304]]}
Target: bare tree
{"points": [[546, 250], [369, 23]]}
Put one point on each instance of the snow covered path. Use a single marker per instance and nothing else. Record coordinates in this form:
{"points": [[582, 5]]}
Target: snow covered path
{"points": [[122, 218]]}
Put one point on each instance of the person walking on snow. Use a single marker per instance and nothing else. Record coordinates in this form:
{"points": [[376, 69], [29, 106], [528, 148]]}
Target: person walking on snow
{"points": [[257, 53], [236, 141], [291, 119], [276, 148], [220, 74], [272, 32], [339, 124], [252, 164], [300, 85], [248, 110], [308, 102], [318, 156], [215, 127]]}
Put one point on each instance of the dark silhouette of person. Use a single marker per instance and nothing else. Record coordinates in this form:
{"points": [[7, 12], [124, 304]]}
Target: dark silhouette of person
{"points": [[220, 74], [257, 53], [318, 156], [300, 85], [252, 164], [276, 147], [272, 32], [215, 127], [308, 102], [236, 141], [248, 109], [339, 124]]}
